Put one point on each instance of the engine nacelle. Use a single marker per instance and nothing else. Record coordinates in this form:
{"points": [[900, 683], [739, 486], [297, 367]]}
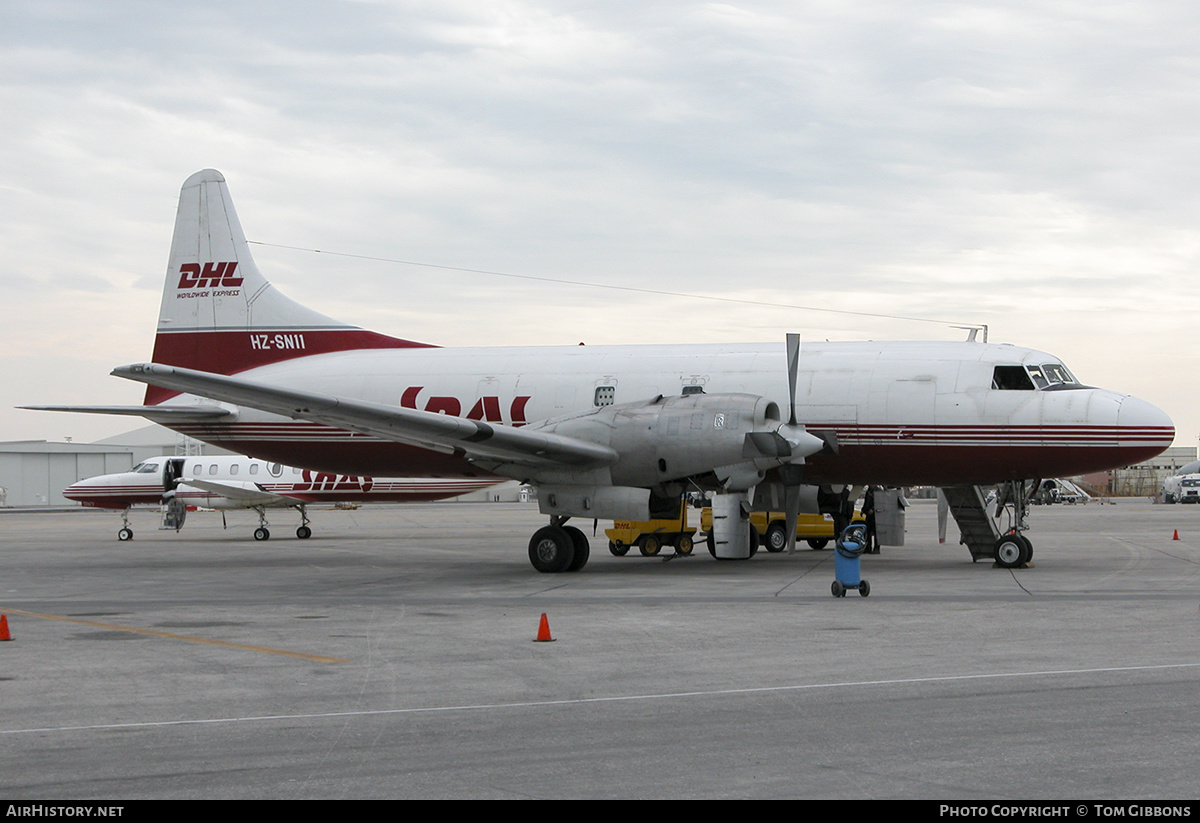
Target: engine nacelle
{"points": [[670, 438]]}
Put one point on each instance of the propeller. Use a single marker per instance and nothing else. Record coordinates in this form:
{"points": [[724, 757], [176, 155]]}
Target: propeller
{"points": [[788, 444], [792, 473]]}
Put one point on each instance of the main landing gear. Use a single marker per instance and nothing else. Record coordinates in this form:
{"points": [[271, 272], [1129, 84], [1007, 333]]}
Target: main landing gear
{"points": [[263, 533], [558, 547], [303, 531]]}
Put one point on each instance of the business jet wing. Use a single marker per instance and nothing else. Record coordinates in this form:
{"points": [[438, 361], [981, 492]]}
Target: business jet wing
{"points": [[244, 493], [474, 438], [156, 414]]}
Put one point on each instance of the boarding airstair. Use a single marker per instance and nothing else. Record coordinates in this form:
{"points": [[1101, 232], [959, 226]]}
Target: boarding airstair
{"points": [[979, 531]]}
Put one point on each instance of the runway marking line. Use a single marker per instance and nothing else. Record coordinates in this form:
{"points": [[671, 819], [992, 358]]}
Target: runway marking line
{"points": [[532, 704], [208, 641]]}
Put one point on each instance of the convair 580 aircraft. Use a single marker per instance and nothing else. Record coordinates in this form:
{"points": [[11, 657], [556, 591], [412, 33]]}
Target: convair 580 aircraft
{"points": [[605, 431], [227, 482]]}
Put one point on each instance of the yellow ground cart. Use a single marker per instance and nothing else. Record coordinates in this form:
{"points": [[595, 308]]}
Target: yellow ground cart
{"points": [[652, 536]]}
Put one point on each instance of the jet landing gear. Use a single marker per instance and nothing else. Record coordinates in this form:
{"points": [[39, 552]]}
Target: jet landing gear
{"points": [[125, 533], [262, 532], [303, 532], [558, 548]]}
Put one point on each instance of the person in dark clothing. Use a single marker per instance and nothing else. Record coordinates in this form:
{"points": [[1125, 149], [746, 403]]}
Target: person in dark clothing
{"points": [[868, 511]]}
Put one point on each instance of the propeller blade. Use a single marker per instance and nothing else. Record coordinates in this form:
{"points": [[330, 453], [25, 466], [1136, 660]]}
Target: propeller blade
{"points": [[793, 357]]}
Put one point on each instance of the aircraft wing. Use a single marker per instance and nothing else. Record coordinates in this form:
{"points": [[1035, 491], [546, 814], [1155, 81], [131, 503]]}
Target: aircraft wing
{"points": [[157, 414], [474, 438], [246, 493]]}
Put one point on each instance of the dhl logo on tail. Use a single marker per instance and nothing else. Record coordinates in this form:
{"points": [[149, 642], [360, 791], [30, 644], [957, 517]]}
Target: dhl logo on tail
{"points": [[211, 276]]}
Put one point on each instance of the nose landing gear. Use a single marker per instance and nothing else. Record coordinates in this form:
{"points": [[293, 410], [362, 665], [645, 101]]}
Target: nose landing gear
{"points": [[1013, 549]]}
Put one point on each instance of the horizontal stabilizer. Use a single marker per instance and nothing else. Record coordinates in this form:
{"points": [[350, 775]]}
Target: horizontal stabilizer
{"points": [[159, 414]]}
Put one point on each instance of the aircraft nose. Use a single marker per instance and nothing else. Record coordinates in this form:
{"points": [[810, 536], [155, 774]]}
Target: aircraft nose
{"points": [[1137, 414], [1143, 430]]}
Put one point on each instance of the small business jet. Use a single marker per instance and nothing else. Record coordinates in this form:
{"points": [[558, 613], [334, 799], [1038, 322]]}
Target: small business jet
{"points": [[245, 483], [611, 431]]}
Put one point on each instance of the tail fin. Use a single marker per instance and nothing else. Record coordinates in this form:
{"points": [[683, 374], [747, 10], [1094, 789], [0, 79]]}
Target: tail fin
{"points": [[219, 314]]}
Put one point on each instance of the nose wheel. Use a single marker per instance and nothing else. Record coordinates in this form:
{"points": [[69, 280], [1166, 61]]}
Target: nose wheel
{"points": [[125, 533], [1013, 551]]}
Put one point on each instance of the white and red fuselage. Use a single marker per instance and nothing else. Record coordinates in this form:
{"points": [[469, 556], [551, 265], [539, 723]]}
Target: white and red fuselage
{"points": [[243, 482], [898, 413]]}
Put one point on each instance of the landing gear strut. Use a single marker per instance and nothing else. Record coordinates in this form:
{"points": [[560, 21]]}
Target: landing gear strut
{"points": [[558, 547], [1013, 549], [304, 532], [125, 533], [261, 533]]}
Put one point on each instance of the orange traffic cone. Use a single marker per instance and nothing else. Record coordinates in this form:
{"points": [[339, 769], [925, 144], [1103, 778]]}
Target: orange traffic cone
{"points": [[4, 635], [1176, 537], [544, 631]]}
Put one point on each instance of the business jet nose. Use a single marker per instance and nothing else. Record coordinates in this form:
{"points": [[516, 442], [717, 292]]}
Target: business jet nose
{"points": [[78, 491]]}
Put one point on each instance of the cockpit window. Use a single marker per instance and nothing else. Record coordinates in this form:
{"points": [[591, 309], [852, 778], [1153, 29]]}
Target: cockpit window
{"points": [[1057, 373], [1011, 378], [145, 468], [1028, 378]]}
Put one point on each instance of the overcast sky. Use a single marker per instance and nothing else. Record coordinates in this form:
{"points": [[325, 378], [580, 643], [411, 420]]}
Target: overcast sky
{"points": [[1032, 166]]}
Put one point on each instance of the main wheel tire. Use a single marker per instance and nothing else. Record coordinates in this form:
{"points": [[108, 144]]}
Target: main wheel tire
{"points": [[753, 541], [618, 548], [581, 546], [551, 550], [649, 546], [1010, 551], [261, 534], [1028, 555], [817, 543], [304, 532], [711, 541], [777, 537], [125, 534], [683, 545]]}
